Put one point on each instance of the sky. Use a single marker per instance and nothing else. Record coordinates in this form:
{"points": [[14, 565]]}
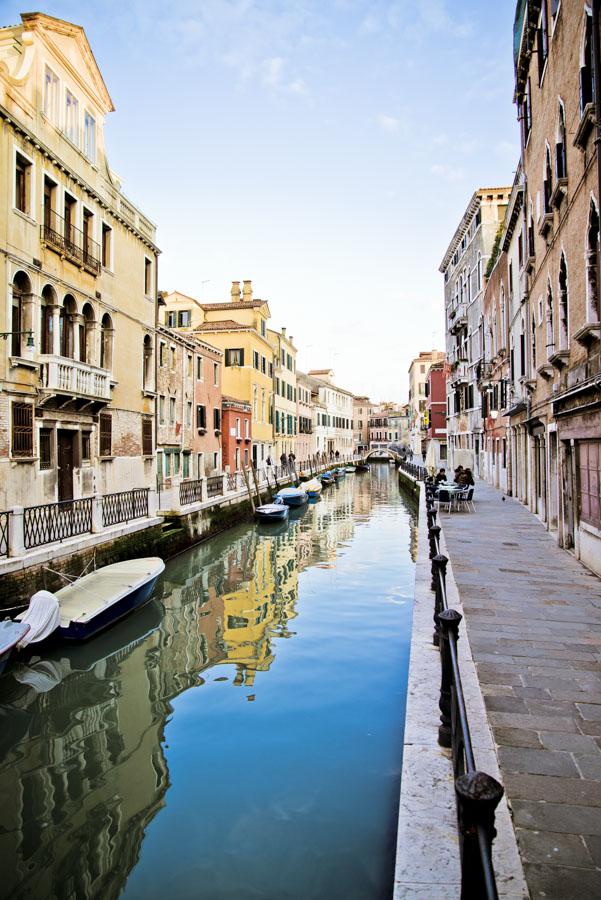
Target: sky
{"points": [[324, 149]]}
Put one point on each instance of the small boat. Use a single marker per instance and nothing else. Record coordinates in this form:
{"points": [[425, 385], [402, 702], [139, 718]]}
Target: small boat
{"points": [[292, 496], [341, 473], [10, 635], [271, 512], [361, 467], [91, 602], [313, 487], [326, 479], [350, 470]]}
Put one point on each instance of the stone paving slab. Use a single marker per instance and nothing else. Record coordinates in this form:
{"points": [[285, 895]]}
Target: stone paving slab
{"points": [[533, 619]]}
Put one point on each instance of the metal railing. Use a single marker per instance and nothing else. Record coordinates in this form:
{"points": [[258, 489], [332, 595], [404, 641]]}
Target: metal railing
{"points": [[418, 472], [124, 506], [232, 481], [4, 520], [214, 485], [190, 492], [60, 234], [477, 794], [56, 521]]}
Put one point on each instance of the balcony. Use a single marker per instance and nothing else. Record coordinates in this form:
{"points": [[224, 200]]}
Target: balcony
{"points": [[74, 381], [458, 318], [71, 243], [459, 374]]}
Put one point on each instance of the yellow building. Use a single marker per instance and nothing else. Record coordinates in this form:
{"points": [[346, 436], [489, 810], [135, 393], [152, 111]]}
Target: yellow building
{"points": [[285, 414], [239, 329], [78, 274]]}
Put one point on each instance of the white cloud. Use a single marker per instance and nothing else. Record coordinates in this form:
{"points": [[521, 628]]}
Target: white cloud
{"points": [[272, 70], [388, 123]]}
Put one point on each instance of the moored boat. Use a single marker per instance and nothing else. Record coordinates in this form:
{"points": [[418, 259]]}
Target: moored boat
{"points": [[92, 602], [10, 635], [292, 496], [362, 467], [350, 469], [271, 512], [313, 487]]}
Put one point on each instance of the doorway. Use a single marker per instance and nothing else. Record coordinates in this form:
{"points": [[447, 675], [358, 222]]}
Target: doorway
{"points": [[66, 461]]}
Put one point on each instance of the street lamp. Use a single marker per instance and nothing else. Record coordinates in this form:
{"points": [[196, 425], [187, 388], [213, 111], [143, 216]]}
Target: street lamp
{"points": [[6, 334]]}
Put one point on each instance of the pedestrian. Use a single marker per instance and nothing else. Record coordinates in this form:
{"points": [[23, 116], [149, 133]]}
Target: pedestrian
{"points": [[284, 461], [337, 455], [268, 461], [291, 458]]}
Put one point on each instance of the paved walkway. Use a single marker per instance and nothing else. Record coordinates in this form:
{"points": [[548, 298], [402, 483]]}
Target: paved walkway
{"points": [[533, 615]]}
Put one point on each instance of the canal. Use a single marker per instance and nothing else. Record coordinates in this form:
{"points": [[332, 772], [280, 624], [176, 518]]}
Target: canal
{"points": [[238, 737]]}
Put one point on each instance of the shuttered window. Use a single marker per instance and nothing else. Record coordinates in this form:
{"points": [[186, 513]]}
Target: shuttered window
{"points": [[201, 417], [106, 435], [147, 447], [22, 429]]}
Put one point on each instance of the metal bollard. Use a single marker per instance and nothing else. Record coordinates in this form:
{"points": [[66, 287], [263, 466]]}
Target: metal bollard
{"points": [[434, 538], [448, 622], [439, 568], [478, 795]]}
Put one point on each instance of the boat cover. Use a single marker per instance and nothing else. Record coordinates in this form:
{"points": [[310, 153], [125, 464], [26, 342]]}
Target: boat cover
{"points": [[42, 615]]}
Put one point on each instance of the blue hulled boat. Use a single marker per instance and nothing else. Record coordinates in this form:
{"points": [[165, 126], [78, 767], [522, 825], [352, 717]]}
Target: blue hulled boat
{"points": [[292, 496], [271, 512]]}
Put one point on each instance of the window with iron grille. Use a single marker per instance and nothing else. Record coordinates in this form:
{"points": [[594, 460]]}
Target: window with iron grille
{"points": [[86, 446], [105, 444], [45, 448], [22, 429], [589, 481], [147, 437]]}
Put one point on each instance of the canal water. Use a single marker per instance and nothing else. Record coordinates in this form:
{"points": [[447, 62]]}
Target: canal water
{"points": [[238, 737]]}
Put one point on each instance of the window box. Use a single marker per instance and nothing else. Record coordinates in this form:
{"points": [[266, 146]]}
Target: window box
{"points": [[247, 440], [202, 430], [586, 126], [217, 432], [559, 192]]}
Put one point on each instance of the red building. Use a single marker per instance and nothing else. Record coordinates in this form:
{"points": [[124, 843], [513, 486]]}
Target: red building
{"points": [[436, 417], [236, 435]]}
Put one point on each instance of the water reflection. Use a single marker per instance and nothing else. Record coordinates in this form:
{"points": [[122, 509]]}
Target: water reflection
{"points": [[84, 756]]}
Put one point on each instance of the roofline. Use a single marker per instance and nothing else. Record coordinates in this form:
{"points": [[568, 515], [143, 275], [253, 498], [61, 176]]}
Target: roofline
{"points": [[466, 217]]}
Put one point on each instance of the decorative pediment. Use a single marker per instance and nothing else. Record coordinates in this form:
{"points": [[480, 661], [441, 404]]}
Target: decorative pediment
{"points": [[69, 44]]}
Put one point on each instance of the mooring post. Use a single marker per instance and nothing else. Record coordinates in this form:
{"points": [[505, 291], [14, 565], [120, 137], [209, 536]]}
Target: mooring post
{"points": [[478, 796]]}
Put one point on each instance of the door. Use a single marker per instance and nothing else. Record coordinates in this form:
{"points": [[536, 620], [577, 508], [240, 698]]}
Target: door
{"points": [[66, 446]]}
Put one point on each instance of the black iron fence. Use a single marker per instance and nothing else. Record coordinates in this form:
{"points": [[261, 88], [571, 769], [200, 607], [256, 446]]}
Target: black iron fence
{"points": [[4, 520], [124, 506], [190, 492], [70, 241], [52, 522], [420, 473], [477, 794]]}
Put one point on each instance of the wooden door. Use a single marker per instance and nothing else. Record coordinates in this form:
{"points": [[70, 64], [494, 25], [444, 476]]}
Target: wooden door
{"points": [[66, 446]]}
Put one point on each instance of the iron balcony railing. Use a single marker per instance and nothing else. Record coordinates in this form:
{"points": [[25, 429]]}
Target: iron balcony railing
{"points": [[214, 486], [52, 522], [124, 506], [477, 794], [71, 242], [4, 520], [417, 472], [232, 481]]}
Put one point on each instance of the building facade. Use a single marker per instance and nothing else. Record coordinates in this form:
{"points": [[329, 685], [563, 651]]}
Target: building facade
{"points": [[464, 266], [306, 444], [418, 375], [361, 407], [337, 420], [78, 273], [285, 414], [237, 434], [436, 417]]}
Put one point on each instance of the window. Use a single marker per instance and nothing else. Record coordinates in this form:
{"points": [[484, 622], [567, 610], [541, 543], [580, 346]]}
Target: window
{"points": [[238, 428], [147, 443], [86, 446], [105, 443], [107, 240], [49, 211], [51, 95], [255, 360], [217, 419], [561, 169], [147, 276], [526, 114], [72, 117], [89, 136], [263, 328], [161, 410], [69, 215], [47, 322], [173, 356], [23, 169], [147, 373], [263, 365], [547, 183], [199, 368], [271, 370], [201, 417], [542, 41], [189, 368], [172, 410], [171, 319], [592, 266], [234, 357], [550, 328], [186, 464], [106, 342], [189, 414], [563, 305], [586, 70], [246, 428], [215, 374], [162, 350], [215, 460], [46, 448], [88, 236], [589, 472]]}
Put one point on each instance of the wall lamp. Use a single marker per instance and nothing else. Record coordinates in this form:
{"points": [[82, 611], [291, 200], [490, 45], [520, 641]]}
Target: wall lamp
{"points": [[6, 334]]}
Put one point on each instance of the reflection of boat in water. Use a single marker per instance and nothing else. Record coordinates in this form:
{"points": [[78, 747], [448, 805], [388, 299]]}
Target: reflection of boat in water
{"points": [[297, 512], [92, 602], [271, 529], [362, 467]]}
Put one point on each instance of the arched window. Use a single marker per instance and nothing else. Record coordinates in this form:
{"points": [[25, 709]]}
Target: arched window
{"points": [[563, 305], [66, 323], [586, 65], [592, 265], [548, 181], [147, 379], [502, 321], [86, 335], [49, 300], [561, 163], [479, 272], [21, 288], [533, 344], [106, 342], [549, 320]]}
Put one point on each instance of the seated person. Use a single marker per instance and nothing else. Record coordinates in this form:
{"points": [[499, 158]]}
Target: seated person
{"points": [[467, 479], [441, 475], [458, 473]]}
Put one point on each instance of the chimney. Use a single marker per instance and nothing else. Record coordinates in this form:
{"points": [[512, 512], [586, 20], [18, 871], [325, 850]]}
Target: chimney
{"points": [[283, 331], [235, 291], [247, 291]]}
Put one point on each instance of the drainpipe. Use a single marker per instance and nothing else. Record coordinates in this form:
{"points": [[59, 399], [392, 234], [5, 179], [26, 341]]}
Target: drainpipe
{"points": [[597, 80]]}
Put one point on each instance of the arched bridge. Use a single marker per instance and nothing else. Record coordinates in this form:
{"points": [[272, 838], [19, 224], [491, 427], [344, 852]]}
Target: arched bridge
{"points": [[388, 452]]}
